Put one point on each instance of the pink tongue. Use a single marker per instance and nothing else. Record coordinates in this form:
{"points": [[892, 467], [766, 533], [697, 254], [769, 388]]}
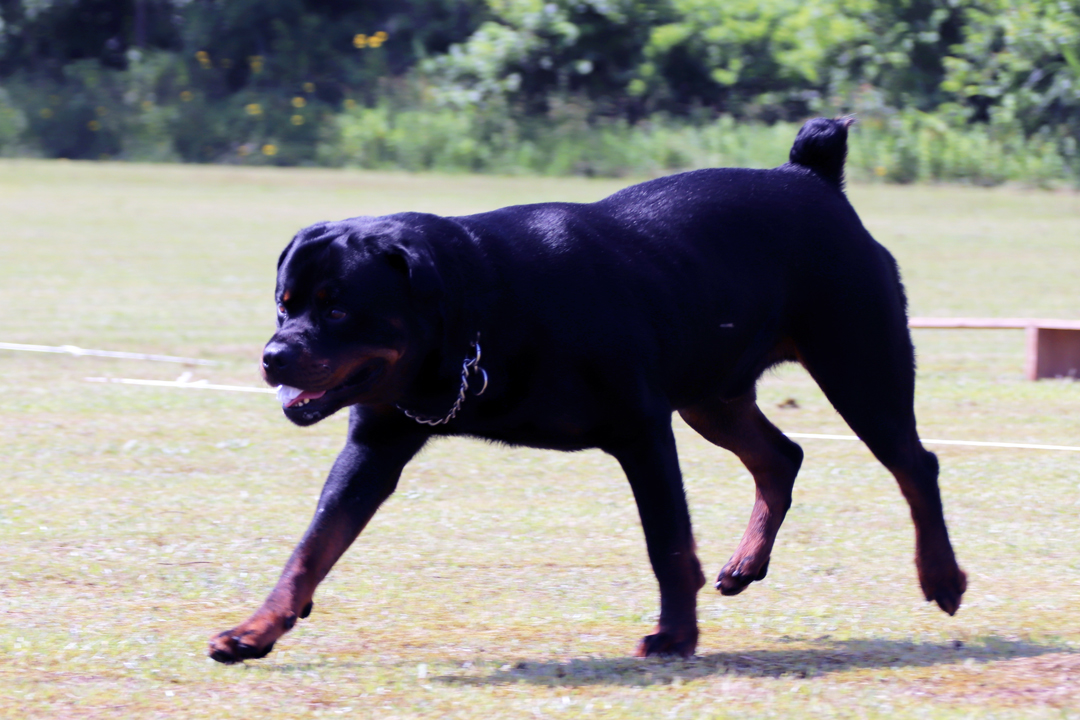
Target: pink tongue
{"points": [[306, 395]]}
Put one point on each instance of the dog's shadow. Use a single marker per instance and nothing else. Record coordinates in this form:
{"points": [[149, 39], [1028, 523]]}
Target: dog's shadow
{"points": [[821, 658]]}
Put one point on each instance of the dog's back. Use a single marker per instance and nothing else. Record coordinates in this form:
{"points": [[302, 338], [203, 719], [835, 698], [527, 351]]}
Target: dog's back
{"points": [[703, 273]]}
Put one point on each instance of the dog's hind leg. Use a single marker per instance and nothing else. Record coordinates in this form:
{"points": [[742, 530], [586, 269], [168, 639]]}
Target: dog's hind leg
{"points": [[739, 426], [863, 360]]}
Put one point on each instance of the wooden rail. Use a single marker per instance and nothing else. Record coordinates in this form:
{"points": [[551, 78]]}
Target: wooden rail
{"points": [[1052, 347]]}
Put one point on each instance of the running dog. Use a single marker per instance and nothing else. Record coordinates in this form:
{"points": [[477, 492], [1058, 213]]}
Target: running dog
{"points": [[570, 326]]}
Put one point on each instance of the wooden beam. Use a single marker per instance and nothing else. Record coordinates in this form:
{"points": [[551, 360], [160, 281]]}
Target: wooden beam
{"points": [[1052, 346], [993, 323]]}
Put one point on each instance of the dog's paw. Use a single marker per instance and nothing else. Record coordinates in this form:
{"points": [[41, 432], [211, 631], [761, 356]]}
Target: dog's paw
{"points": [[666, 643], [228, 648], [252, 640], [946, 588], [737, 574]]}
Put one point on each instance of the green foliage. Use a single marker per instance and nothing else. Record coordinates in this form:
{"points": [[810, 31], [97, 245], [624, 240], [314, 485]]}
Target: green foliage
{"points": [[752, 58], [42, 36], [919, 147], [906, 147], [228, 81], [977, 90], [532, 50], [12, 125], [900, 49], [81, 115], [745, 56], [1020, 64], [563, 143]]}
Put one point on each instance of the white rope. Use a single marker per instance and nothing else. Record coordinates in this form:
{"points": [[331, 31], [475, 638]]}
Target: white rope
{"points": [[78, 351], [967, 443], [183, 383]]}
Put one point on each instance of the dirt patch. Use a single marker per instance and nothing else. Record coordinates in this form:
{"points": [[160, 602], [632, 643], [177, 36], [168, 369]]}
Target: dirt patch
{"points": [[1052, 680]]}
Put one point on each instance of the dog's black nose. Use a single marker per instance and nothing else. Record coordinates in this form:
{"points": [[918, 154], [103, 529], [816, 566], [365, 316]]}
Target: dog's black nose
{"points": [[277, 355]]}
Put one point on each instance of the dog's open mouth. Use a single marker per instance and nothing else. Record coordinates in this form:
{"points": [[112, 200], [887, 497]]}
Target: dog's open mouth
{"points": [[320, 401], [290, 396]]}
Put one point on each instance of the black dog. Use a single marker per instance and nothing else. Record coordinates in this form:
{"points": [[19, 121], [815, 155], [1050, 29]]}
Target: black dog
{"points": [[571, 326]]}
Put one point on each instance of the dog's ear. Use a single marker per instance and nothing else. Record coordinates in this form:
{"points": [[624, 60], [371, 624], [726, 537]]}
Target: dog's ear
{"points": [[312, 232], [285, 253], [416, 262]]}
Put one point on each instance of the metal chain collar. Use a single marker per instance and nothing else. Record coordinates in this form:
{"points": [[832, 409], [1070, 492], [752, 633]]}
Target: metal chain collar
{"points": [[470, 365]]}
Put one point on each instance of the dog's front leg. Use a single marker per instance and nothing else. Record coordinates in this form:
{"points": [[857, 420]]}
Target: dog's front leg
{"points": [[364, 475], [652, 467]]}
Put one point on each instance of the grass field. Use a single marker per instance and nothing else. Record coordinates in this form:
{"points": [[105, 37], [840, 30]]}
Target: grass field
{"points": [[136, 521]]}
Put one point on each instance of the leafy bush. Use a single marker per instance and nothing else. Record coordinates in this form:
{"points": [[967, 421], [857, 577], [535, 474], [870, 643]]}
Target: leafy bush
{"points": [[765, 59], [905, 147], [1020, 63], [154, 111], [919, 147], [12, 126], [980, 91]]}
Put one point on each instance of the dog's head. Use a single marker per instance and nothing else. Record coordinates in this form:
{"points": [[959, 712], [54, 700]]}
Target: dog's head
{"points": [[356, 313]]}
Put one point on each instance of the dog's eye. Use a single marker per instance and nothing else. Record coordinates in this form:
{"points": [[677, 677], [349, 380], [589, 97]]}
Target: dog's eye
{"points": [[281, 309], [336, 314]]}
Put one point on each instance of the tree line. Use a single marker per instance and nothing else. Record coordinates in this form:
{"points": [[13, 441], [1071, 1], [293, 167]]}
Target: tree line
{"points": [[310, 81]]}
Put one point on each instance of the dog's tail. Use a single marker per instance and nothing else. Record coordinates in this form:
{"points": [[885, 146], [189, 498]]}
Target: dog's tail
{"points": [[821, 146]]}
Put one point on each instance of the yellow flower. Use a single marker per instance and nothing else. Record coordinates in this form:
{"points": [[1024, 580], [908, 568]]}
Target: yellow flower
{"points": [[243, 150], [377, 39], [269, 150], [204, 59], [360, 41], [46, 113], [94, 125], [298, 102], [253, 109], [297, 119], [309, 87], [186, 96], [880, 171], [256, 63], [381, 36], [349, 103]]}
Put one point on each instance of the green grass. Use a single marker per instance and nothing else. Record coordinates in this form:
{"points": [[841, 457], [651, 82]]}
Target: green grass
{"points": [[497, 583]]}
